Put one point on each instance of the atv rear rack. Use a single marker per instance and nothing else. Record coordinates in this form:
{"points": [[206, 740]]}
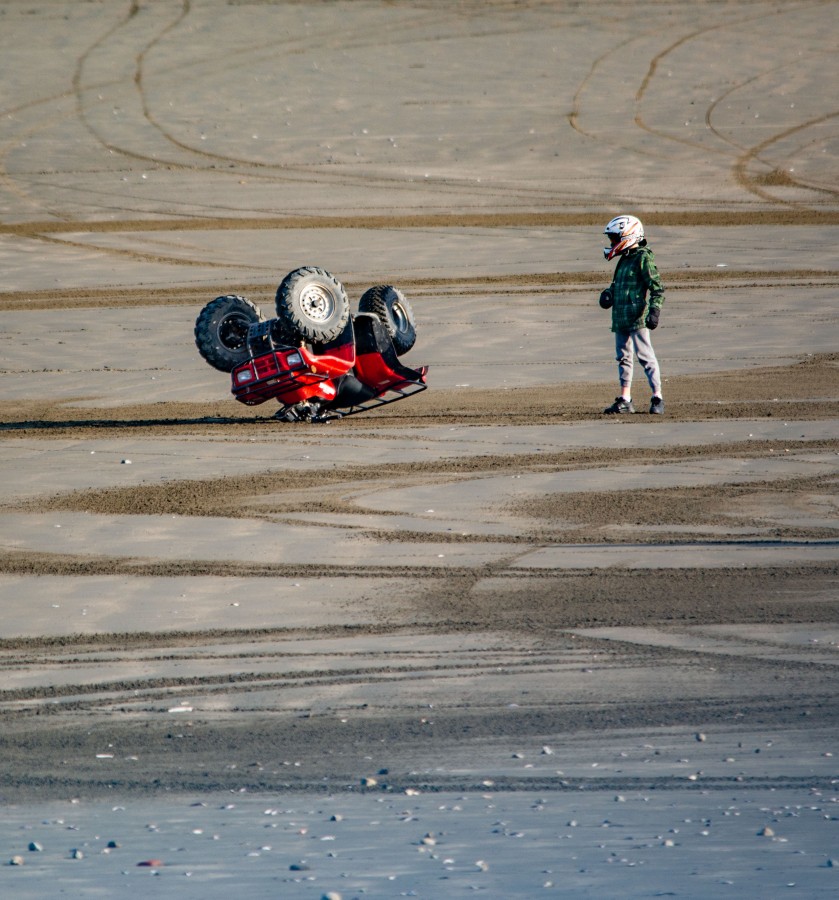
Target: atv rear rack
{"points": [[407, 389]]}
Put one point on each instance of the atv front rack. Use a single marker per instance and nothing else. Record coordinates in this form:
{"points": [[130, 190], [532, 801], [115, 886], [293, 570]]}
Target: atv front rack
{"points": [[275, 368], [264, 377]]}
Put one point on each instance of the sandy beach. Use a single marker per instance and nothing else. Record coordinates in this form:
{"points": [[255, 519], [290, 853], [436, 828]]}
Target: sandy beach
{"points": [[486, 640]]}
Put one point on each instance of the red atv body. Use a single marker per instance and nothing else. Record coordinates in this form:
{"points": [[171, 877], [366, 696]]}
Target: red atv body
{"points": [[357, 371], [315, 359]]}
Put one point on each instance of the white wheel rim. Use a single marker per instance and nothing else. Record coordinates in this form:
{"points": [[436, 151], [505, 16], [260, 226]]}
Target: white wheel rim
{"points": [[317, 303], [400, 320]]}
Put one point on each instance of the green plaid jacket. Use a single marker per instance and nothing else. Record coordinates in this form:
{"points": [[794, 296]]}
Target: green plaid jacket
{"points": [[636, 288]]}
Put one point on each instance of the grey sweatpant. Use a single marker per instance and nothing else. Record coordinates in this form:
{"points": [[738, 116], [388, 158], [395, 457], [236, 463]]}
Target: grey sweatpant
{"points": [[637, 343]]}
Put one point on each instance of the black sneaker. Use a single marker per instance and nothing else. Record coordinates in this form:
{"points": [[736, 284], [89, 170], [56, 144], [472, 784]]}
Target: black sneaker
{"points": [[620, 406], [657, 406]]}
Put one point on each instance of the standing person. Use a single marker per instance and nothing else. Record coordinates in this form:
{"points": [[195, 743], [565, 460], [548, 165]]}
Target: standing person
{"points": [[635, 298]]}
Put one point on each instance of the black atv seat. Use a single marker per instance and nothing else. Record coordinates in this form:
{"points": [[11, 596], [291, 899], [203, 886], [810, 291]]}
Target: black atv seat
{"points": [[371, 337]]}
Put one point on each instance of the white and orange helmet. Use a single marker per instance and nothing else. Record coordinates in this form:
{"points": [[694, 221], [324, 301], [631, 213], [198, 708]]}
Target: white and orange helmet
{"points": [[625, 232]]}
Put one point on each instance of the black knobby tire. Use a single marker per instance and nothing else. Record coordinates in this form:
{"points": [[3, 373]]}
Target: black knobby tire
{"points": [[221, 331], [312, 304], [395, 313]]}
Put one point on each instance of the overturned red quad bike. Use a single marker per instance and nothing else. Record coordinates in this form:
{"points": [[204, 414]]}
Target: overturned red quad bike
{"points": [[315, 359]]}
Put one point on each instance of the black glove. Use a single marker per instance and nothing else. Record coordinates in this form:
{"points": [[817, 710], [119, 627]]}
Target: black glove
{"points": [[606, 299], [652, 318]]}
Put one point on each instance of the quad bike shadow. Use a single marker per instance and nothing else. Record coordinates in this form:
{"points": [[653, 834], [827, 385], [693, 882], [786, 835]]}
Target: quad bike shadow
{"points": [[314, 358]]}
